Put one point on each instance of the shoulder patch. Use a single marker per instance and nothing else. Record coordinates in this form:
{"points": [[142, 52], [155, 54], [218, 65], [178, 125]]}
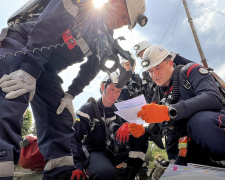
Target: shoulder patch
{"points": [[77, 118], [203, 71]]}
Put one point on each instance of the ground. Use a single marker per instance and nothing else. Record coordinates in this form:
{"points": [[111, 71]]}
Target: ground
{"points": [[20, 172]]}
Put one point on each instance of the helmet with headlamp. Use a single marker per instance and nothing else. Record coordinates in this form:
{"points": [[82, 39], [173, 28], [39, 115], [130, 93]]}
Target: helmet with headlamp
{"points": [[123, 60], [141, 46], [136, 9], [153, 56]]}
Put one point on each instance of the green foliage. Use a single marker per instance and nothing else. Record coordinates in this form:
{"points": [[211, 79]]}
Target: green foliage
{"points": [[33, 131], [149, 155], [152, 153], [27, 123]]}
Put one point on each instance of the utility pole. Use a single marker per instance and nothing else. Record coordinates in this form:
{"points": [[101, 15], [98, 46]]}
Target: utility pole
{"points": [[203, 60]]}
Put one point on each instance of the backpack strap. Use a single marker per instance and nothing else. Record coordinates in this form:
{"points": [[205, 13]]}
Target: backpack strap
{"points": [[96, 108], [92, 123], [176, 92], [184, 76], [158, 95], [181, 78]]}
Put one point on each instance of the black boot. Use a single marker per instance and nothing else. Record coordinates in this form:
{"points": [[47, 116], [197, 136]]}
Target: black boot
{"points": [[130, 173], [143, 174], [120, 173]]}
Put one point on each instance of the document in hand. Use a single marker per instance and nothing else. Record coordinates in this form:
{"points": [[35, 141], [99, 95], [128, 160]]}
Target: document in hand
{"points": [[128, 109]]}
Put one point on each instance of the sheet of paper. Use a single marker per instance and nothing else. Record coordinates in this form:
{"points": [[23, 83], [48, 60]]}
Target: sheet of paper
{"points": [[128, 109]]}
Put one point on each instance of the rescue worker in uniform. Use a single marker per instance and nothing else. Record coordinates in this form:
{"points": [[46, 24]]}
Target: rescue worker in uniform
{"points": [[93, 151], [192, 109], [147, 82], [133, 87], [32, 54]]}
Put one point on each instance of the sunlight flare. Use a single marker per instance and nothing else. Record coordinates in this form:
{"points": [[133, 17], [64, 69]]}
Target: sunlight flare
{"points": [[99, 3]]}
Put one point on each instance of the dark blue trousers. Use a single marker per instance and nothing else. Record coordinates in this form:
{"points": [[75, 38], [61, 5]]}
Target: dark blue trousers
{"points": [[207, 129], [207, 132], [54, 131], [101, 165], [11, 119], [172, 138]]}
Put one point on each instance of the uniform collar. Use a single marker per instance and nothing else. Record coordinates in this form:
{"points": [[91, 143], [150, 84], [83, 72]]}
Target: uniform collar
{"points": [[112, 108], [168, 89]]}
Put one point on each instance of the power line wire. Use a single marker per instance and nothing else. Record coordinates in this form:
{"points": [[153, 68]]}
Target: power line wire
{"points": [[169, 25], [176, 14], [178, 10], [217, 11], [216, 63]]}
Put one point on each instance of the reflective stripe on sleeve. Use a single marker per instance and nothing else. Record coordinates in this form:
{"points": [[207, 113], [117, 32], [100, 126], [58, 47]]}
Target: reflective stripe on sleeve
{"points": [[109, 119], [84, 47], [83, 114], [6, 168], [182, 145], [59, 162], [137, 154], [70, 7]]}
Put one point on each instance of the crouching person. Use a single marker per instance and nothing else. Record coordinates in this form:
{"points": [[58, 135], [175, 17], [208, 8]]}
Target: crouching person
{"points": [[102, 141]]}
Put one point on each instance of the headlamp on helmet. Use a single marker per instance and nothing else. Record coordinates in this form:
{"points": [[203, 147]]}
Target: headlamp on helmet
{"points": [[145, 62], [142, 20], [136, 47]]}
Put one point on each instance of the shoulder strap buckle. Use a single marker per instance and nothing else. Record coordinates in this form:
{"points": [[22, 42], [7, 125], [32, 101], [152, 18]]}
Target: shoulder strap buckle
{"points": [[187, 84]]}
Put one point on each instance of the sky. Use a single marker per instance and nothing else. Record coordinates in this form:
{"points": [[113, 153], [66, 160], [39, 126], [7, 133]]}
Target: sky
{"points": [[167, 25]]}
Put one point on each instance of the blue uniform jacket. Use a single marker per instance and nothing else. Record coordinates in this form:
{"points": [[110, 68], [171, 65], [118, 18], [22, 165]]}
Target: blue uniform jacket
{"points": [[97, 138], [179, 60], [45, 48], [205, 96]]}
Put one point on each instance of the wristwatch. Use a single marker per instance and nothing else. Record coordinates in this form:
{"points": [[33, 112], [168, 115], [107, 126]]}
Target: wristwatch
{"points": [[172, 112]]}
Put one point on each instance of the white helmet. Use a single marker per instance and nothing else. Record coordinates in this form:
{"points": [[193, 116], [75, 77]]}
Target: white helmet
{"points": [[114, 77], [135, 8], [123, 60], [141, 46], [153, 56]]}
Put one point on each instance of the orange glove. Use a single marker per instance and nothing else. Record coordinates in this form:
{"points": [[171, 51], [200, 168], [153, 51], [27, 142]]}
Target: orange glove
{"points": [[154, 113], [136, 130]]}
